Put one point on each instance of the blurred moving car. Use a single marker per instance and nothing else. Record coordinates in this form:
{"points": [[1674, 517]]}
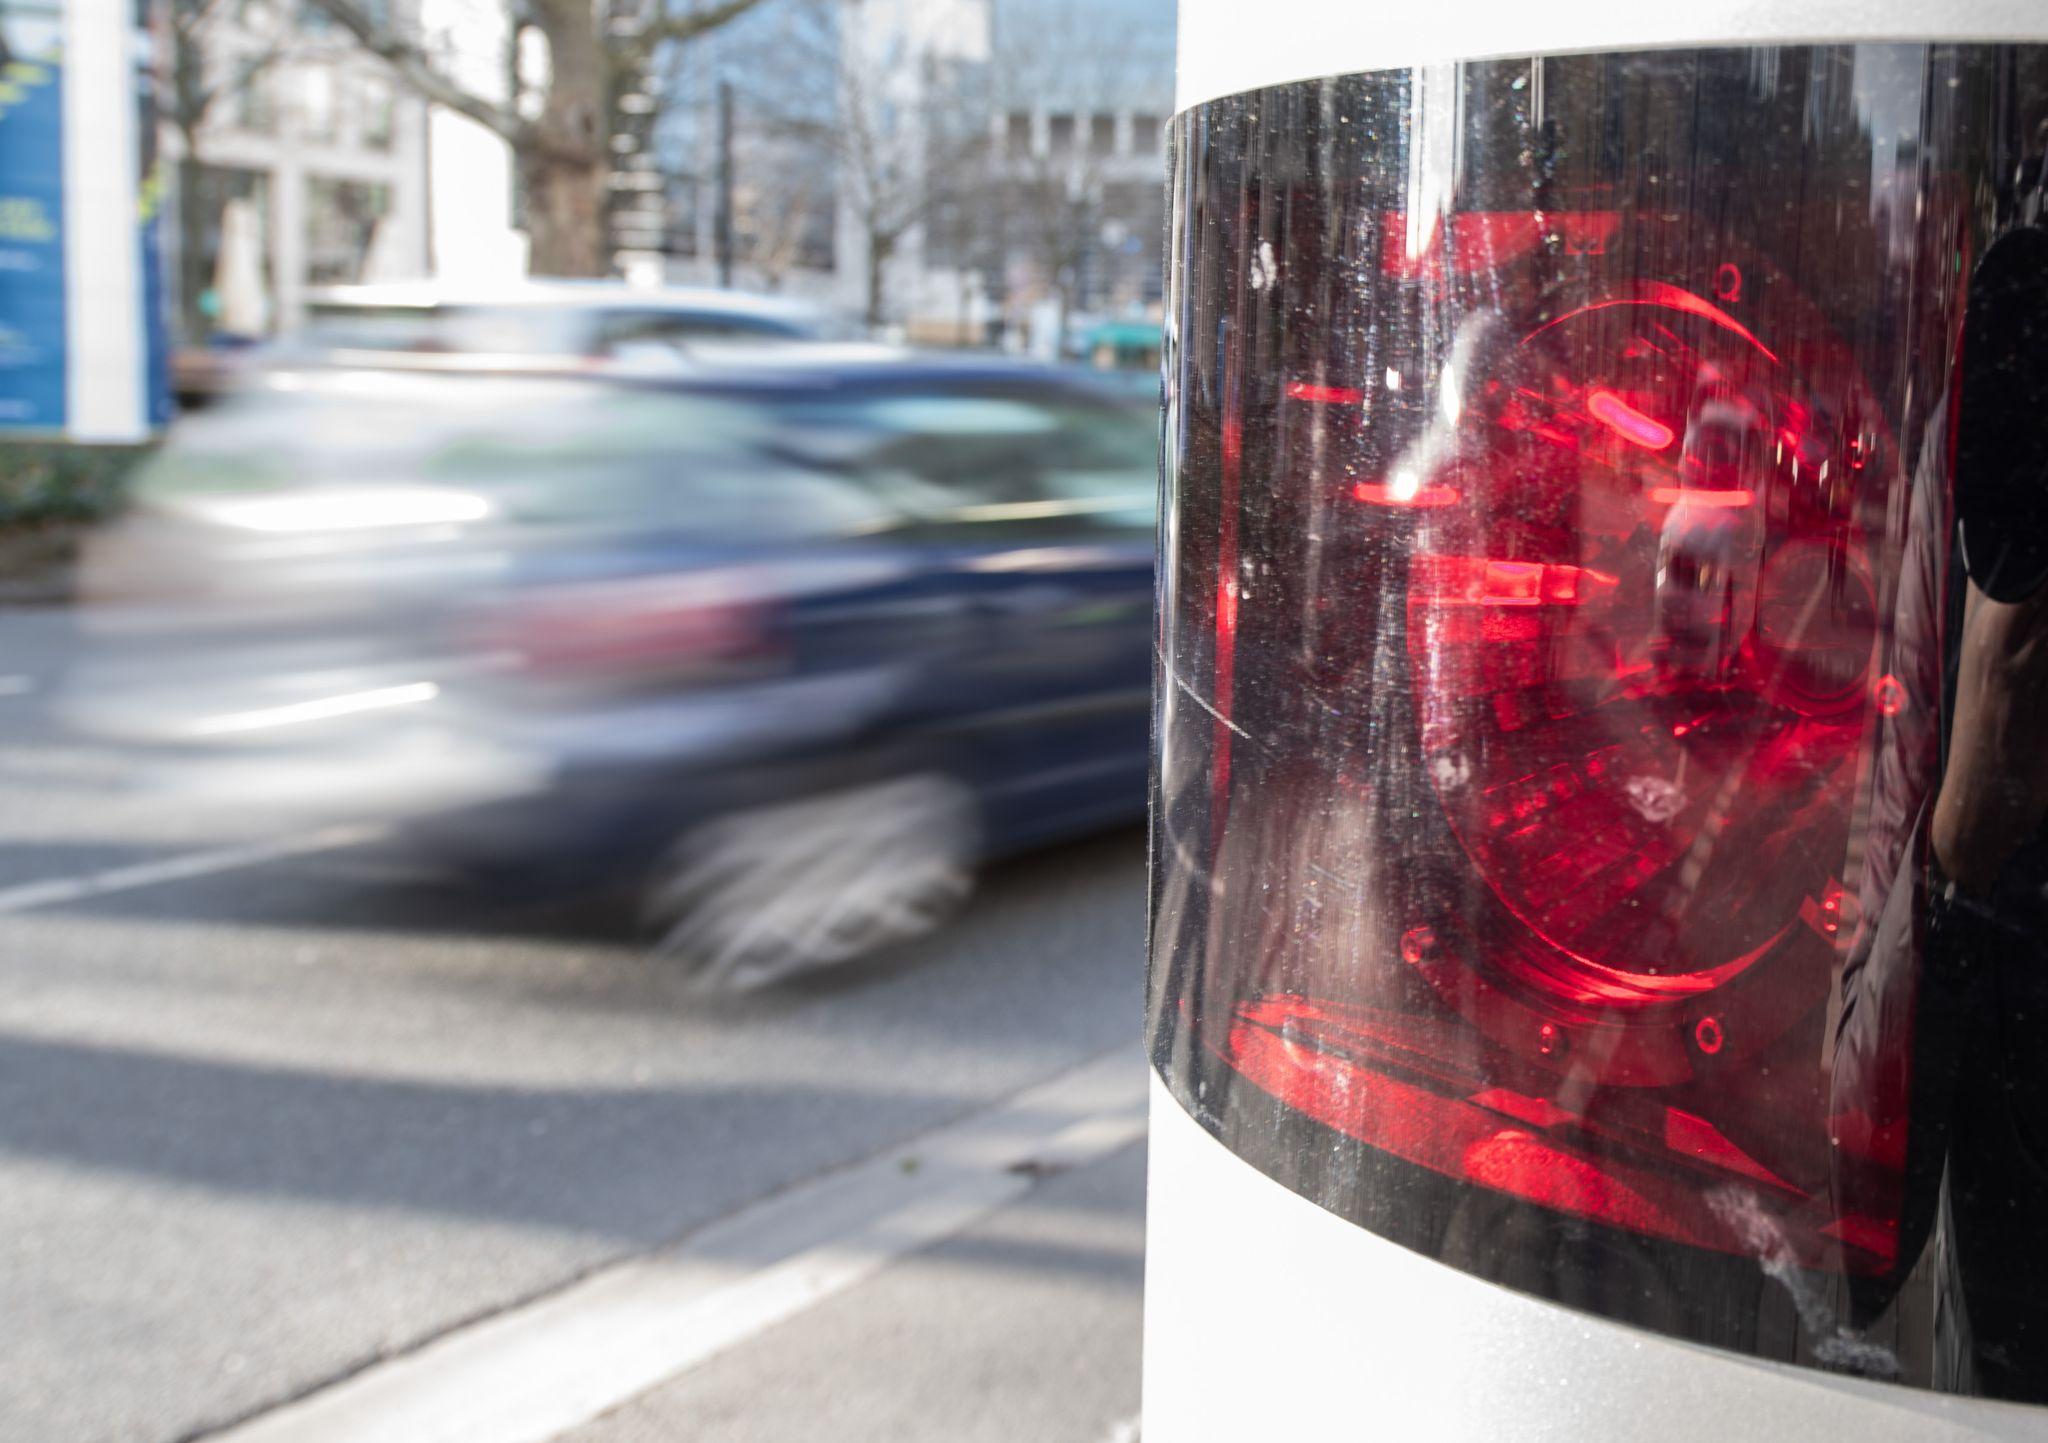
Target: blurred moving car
{"points": [[797, 641], [554, 319], [533, 325]]}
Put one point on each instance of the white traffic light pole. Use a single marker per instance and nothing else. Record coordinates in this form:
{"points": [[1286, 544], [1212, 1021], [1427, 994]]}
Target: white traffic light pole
{"points": [[1268, 1317], [106, 361]]}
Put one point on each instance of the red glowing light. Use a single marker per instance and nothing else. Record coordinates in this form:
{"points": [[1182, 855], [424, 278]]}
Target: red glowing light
{"points": [[1482, 240], [1324, 395], [1512, 1161], [1449, 1135], [1659, 293], [1650, 803], [1536, 1111], [1483, 581], [1226, 609], [1692, 1136], [1690, 496], [1879, 1236], [1381, 1078], [1627, 422], [1420, 498]]}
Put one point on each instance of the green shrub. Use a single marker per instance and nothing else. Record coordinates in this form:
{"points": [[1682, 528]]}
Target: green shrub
{"points": [[50, 482]]}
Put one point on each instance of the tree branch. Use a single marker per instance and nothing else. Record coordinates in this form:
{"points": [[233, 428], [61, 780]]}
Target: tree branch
{"points": [[245, 70], [416, 68], [689, 24]]}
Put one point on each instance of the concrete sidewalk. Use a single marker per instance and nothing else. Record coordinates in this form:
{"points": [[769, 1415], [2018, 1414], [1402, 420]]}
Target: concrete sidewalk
{"points": [[1021, 1329]]}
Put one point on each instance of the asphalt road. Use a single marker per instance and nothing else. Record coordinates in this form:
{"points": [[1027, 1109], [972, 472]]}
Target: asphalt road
{"points": [[271, 1119]]}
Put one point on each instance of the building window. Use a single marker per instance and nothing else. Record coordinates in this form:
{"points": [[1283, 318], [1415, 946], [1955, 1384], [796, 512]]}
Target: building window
{"points": [[1148, 134], [312, 18], [203, 238], [252, 101], [378, 118], [318, 104], [1061, 132], [341, 222], [1017, 139], [1102, 135]]}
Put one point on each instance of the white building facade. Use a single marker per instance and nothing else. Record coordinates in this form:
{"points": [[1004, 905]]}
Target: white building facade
{"points": [[293, 160], [309, 167]]}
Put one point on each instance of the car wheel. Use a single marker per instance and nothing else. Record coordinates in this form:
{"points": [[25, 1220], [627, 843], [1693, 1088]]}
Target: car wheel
{"points": [[757, 897]]}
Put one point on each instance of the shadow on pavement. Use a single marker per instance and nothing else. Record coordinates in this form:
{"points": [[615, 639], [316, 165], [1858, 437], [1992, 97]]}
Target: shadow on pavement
{"points": [[532, 1156]]}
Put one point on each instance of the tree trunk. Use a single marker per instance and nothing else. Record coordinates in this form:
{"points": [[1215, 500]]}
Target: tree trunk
{"points": [[563, 162], [192, 276], [879, 249], [189, 101], [565, 214]]}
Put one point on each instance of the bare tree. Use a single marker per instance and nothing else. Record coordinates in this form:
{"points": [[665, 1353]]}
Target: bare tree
{"points": [[215, 53], [560, 139], [878, 157], [1056, 191], [778, 68], [773, 220], [896, 122], [966, 227]]}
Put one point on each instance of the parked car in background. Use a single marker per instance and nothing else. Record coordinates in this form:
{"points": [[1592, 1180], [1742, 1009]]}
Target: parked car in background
{"points": [[542, 325], [554, 319], [795, 642]]}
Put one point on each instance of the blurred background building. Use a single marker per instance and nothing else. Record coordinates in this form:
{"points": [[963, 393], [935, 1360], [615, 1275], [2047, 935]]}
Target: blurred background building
{"points": [[294, 160], [962, 171], [1084, 91], [957, 172]]}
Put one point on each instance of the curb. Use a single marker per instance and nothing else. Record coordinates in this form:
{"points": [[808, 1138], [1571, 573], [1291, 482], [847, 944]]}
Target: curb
{"points": [[37, 565]]}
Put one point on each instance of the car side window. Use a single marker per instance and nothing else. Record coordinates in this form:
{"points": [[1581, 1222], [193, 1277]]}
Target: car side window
{"points": [[652, 459], [1102, 462], [1038, 464], [671, 327]]}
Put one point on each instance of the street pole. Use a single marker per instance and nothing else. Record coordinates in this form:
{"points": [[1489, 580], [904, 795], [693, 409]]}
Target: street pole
{"points": [[722, 218]]}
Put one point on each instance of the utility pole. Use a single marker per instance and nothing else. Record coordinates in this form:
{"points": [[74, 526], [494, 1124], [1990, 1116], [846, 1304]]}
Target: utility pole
{"points": [[722, 217]]}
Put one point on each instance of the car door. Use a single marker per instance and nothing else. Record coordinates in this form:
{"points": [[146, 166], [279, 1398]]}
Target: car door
{"points": [[1040, 499]]}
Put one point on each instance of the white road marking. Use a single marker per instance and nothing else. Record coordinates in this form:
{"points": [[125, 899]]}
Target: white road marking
{"points": [[60, 890], [17, 685], [533, 1373], [323, 709]]}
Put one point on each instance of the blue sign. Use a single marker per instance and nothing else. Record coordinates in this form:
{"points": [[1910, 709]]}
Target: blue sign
{"points": [[32, 383], [156, 310]]}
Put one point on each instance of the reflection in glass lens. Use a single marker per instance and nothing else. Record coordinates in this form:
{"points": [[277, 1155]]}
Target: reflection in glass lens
{"points": [[1558, 460]]}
